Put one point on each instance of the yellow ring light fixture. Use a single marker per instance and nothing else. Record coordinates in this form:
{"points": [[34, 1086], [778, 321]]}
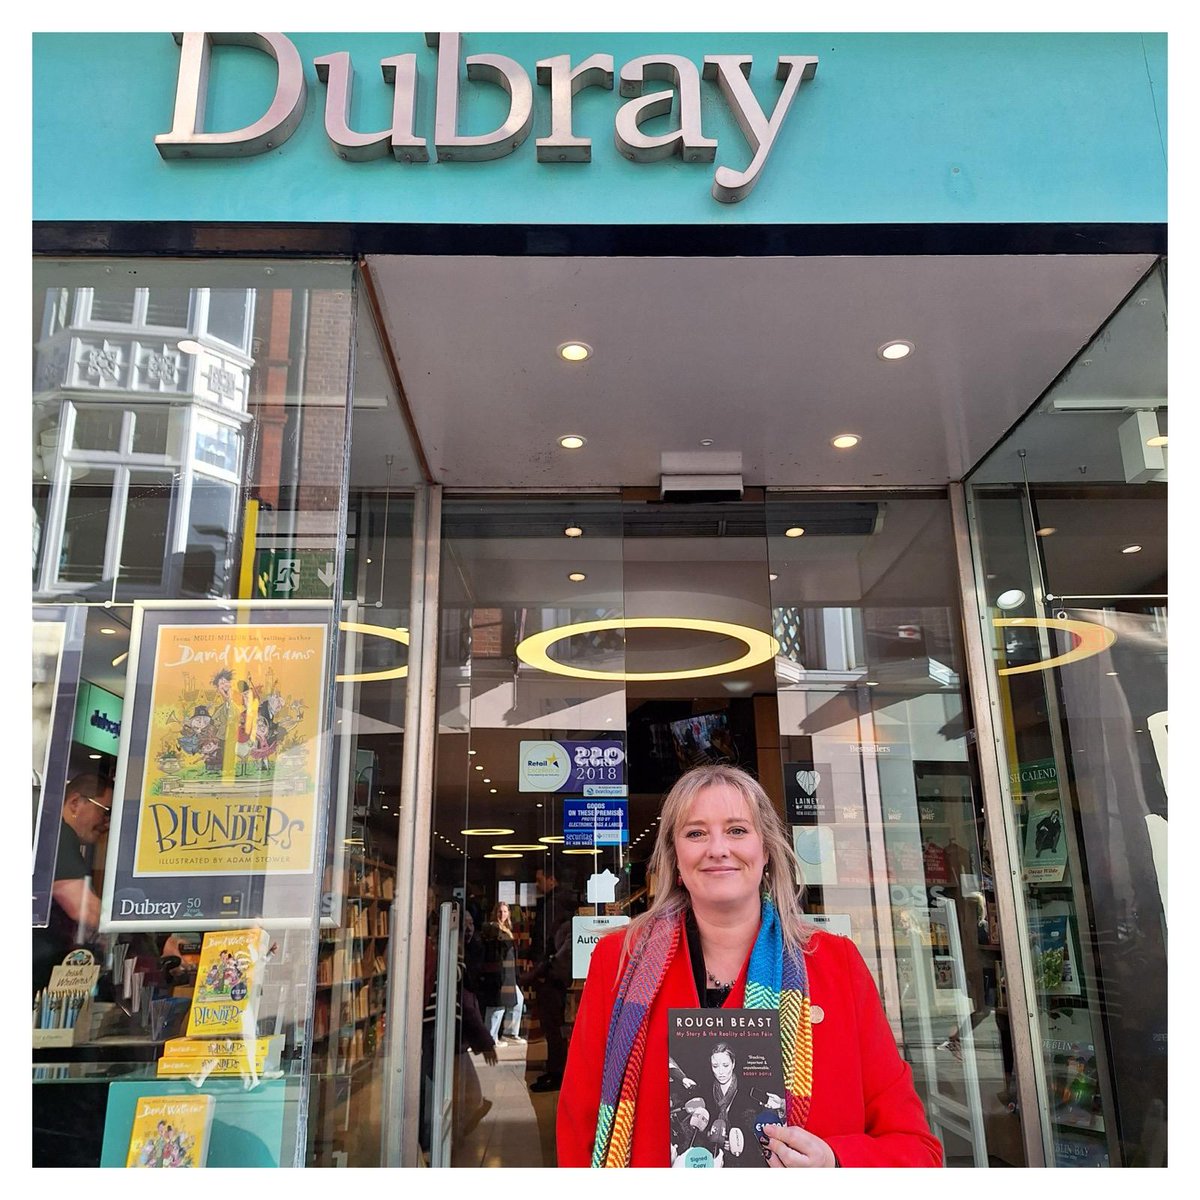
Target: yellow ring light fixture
{"points": [[485, 832], [581, 851], [552, 839], [1090, 639], [534, 651], [519, 846], [395, 635], [502, 856]]}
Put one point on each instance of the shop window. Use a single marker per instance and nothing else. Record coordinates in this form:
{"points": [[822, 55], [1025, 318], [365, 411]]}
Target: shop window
{"points": [[147, 517]]}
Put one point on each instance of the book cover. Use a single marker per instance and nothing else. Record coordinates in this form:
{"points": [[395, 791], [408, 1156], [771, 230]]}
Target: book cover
{"points": [[228, 980], [1045, 851], [170, 1131], [726, 1084], [1056, 962]]}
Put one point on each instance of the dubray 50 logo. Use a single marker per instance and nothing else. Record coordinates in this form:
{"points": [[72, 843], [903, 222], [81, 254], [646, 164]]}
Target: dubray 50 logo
{"points": [[545, 766]]}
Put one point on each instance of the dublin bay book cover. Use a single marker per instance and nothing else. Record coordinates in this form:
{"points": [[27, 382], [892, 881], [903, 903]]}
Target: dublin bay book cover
{"points": [[228, 981], [170, 1131], [726, 1084]]}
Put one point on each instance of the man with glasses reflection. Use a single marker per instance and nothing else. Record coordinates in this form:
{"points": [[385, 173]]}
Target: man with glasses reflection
{"points": [[75, 910]]}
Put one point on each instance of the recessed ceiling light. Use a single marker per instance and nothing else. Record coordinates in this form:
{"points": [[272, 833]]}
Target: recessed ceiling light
{"points": [[93, 756], [571, 441], [486, 832], [1159, 440], [1133, 549], [577, 577], [479, 768], [369, 561], [573, 531], [539, 804], [492, 790], [486, 779], [1047, 530], [1111, 672], [1013, 598], [794, 531], [472, 751], [706, 441], [871, 682], [188, 346], [106, 629], [894, 350], [844, 441], [574, 351], [772, 577]]}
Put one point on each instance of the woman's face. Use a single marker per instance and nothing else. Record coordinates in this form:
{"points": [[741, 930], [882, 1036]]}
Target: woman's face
{"points": [[722, 1067], [719, 851], [502, 913]]}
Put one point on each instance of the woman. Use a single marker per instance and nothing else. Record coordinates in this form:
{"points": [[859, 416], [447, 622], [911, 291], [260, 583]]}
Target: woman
{"points": [[500, 991], [725, 930]]}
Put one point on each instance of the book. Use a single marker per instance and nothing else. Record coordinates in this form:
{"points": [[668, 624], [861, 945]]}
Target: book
{"points": [[228, 982], [726, 1084], [170, 1131], [1055, 960], [219, 1056]]}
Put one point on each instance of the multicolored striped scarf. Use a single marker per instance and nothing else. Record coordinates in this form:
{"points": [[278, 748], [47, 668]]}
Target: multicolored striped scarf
{"points": [[777, 979]]}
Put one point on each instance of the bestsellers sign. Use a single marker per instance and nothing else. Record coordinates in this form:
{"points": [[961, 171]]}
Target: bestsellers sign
{"points": [[561, 78]]}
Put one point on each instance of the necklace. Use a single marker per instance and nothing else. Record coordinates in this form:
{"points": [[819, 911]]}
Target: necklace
{"points": [[718, 983]]}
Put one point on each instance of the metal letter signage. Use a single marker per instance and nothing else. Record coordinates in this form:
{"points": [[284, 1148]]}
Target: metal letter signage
{"points": [[730, 72], [187, 139], [556, 73], [495, 68]]}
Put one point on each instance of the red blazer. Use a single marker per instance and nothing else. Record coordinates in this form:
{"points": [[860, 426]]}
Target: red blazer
{"points": [[864, 1104]]}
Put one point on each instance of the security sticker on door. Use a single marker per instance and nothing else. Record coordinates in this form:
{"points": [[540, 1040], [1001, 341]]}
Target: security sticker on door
{"points": [[571, 766]]}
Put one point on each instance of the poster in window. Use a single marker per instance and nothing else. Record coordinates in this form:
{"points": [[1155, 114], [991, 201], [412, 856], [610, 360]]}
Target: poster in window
{"points": [[223, 778], [808, 790], [1044, 853], [57, 656]]}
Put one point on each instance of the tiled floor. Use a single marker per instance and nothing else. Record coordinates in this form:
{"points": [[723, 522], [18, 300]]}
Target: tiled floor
{"points": [[518, 1131]]}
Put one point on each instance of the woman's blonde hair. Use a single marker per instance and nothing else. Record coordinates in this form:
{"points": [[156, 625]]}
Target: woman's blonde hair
{"points": [[506, 923], [781, 877]]}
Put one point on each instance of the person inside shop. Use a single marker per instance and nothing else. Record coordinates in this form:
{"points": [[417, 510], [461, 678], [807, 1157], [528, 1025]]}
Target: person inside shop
{"points": [[551, 974], [75, 906], [500, 993], [725, 930]]}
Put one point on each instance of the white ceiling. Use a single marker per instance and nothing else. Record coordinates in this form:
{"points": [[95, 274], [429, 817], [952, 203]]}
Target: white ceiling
{"points": [[769, 357]]}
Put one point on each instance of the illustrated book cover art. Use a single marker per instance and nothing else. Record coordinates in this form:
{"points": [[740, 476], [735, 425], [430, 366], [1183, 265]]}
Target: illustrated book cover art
{"points": [[233, 750], [1045, 850], [170, 1131], [228, 981], [726, 1084], [1055, 961], [220, 1056]]}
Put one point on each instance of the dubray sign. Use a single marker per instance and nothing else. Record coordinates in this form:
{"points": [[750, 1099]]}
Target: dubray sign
{"points": [[560, 77]]}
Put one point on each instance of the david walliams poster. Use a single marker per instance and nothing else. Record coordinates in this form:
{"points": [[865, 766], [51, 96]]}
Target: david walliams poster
{"points": [[232, 753]]}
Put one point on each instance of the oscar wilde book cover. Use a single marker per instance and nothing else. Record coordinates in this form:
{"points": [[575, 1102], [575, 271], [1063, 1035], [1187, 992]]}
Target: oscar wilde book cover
{"points": [[726, 1083], [170, 1131], [228, 980]]}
